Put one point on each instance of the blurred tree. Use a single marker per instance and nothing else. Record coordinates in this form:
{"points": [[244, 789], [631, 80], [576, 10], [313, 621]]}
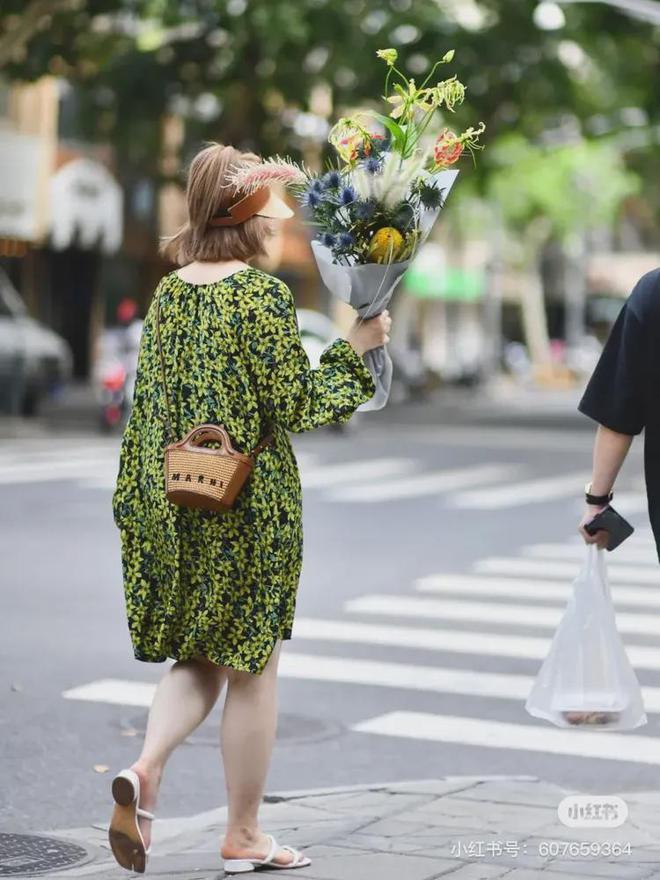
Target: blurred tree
{"points": [[555, 196], [241, 70], [20, 25], [555, 191]]}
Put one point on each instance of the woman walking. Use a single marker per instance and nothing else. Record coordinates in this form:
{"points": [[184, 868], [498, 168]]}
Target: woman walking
{"points": [[216, 592]]}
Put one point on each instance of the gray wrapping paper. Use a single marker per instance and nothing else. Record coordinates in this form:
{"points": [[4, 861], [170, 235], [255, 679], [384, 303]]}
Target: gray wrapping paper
{"points": [[368, 288]]}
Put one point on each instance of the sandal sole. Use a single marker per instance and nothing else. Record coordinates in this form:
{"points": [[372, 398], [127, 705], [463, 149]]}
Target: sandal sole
{"points": [[123, 836], [126, 847]]}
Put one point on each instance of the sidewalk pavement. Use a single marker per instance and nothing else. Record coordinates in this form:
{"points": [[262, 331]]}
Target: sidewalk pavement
{"points": [[462, 827]]}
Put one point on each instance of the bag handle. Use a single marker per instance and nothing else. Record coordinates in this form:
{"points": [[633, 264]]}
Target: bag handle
{"points": [[171, 436], [221, 433], [199, 435]]}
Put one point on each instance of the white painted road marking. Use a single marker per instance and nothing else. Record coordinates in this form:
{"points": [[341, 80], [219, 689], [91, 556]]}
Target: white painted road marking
{"points": [[520, 588], [474, 642], [39, 472], [635, 555], [354, 472], [514, 494], [635, 574], [487, 612], [626, 747], [113, 690], [431, 483], [355, 671]]}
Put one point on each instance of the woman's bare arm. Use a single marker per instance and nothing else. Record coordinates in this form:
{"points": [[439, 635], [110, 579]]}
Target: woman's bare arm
{"points": [[610, 450]]}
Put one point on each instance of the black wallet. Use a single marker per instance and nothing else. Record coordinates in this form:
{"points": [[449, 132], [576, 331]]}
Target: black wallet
{"points": [[608, 520]]}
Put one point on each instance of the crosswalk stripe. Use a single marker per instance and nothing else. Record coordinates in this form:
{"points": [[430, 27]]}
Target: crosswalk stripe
{"points": [[518, 588], [100, 480], [113, 690], [641, 536], [312, 476], [513, 494], [21, 455], [430, 483], [411, 676], [636, 574], [436, 639], [451, 641], [354, 471], [356, 671], [627, 748], [50, 471], [87, 468], [487, 612], [645, 555], [628, 503]]}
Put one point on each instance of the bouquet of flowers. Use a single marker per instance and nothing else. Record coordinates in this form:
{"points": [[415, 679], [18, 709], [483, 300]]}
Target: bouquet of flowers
{"points": [[375, 206]]}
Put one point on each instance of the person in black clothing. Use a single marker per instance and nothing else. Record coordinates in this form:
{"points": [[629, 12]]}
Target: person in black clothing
{"points": [[623, 396]]}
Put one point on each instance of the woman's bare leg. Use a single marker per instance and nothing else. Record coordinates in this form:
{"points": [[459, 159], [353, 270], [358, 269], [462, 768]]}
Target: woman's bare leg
{"points": [[249, 724], [184, 697]]}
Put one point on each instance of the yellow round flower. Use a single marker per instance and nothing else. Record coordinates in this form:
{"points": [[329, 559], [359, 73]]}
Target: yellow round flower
{"points": [[385, 245]]}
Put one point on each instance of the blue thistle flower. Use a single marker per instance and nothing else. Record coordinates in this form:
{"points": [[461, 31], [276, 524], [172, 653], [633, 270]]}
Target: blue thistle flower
{"points": [[364, 210], [331, 180], [312, 198], [373, 165], [430, 196], [328, 239], [316, 185], [345, 239], [347, 196]]}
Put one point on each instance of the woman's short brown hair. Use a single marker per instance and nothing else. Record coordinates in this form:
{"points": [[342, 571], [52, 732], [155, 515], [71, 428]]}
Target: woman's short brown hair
{"points": [[209, 192]]}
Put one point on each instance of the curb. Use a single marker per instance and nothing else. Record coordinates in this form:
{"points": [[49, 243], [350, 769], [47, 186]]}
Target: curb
{"points": [[283, 796], [175, 827]]}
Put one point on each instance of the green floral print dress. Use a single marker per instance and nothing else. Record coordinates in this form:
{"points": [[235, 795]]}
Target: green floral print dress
{"points": [[223, 585]]}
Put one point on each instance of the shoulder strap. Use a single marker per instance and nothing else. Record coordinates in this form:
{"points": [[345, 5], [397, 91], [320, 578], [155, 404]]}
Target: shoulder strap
{"points": [[168, 423], [267, 440]]}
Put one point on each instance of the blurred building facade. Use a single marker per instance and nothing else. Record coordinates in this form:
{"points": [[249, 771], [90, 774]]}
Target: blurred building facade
{"points": [[61, 214]]}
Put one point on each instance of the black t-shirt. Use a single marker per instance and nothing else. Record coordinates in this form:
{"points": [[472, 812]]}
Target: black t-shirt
{"points": [[623, 393]]}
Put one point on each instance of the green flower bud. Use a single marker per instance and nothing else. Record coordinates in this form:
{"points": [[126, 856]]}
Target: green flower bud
{"points": [[389, 56]]}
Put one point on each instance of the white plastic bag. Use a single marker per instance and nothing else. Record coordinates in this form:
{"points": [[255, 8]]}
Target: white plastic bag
{"points": [[586, 681]]}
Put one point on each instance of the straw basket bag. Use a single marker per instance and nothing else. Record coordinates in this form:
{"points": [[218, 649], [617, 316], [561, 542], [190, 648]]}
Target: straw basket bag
{"points": [[199, 476]]}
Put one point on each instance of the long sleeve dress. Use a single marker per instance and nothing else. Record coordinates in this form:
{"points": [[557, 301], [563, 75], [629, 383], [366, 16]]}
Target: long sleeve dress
{"points": [[223, 585]]}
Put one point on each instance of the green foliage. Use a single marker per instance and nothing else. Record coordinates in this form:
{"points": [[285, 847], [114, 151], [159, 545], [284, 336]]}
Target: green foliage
{"points": [[570, 188], [260, 60]]}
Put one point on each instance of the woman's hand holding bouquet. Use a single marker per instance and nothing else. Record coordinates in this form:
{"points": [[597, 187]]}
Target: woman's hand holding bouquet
{"points": [[372, 333]]}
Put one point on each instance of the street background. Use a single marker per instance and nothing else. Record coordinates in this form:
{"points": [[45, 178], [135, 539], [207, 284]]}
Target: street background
{"points": [[439, 553], [441, 533]]}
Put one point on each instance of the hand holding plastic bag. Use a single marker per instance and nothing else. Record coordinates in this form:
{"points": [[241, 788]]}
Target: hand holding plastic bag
{"points": [[586, 680]]}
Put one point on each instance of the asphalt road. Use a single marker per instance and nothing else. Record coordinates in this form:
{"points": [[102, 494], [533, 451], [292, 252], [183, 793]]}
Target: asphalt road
{"points": [[418, 629]]}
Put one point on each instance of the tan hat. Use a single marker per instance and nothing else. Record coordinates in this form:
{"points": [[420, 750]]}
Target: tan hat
{"points": [[262, 203]]}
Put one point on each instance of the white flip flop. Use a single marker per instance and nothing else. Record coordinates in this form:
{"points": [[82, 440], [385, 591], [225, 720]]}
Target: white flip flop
{"points": [[242, 866], [124, 835]]}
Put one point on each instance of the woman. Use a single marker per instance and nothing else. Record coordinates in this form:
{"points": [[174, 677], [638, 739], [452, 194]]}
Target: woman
{"points": [[622, 396], [216, 592]]}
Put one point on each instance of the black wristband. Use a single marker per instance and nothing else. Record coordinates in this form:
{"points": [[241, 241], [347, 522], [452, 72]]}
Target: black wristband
{"points": [[597, 500]]}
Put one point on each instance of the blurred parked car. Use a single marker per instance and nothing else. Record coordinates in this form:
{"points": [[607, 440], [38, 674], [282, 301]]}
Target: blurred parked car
{"points": [[34, 360]]}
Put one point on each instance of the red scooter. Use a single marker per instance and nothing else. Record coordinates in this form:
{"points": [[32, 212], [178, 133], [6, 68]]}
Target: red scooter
{"points": [[114, 398]]}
